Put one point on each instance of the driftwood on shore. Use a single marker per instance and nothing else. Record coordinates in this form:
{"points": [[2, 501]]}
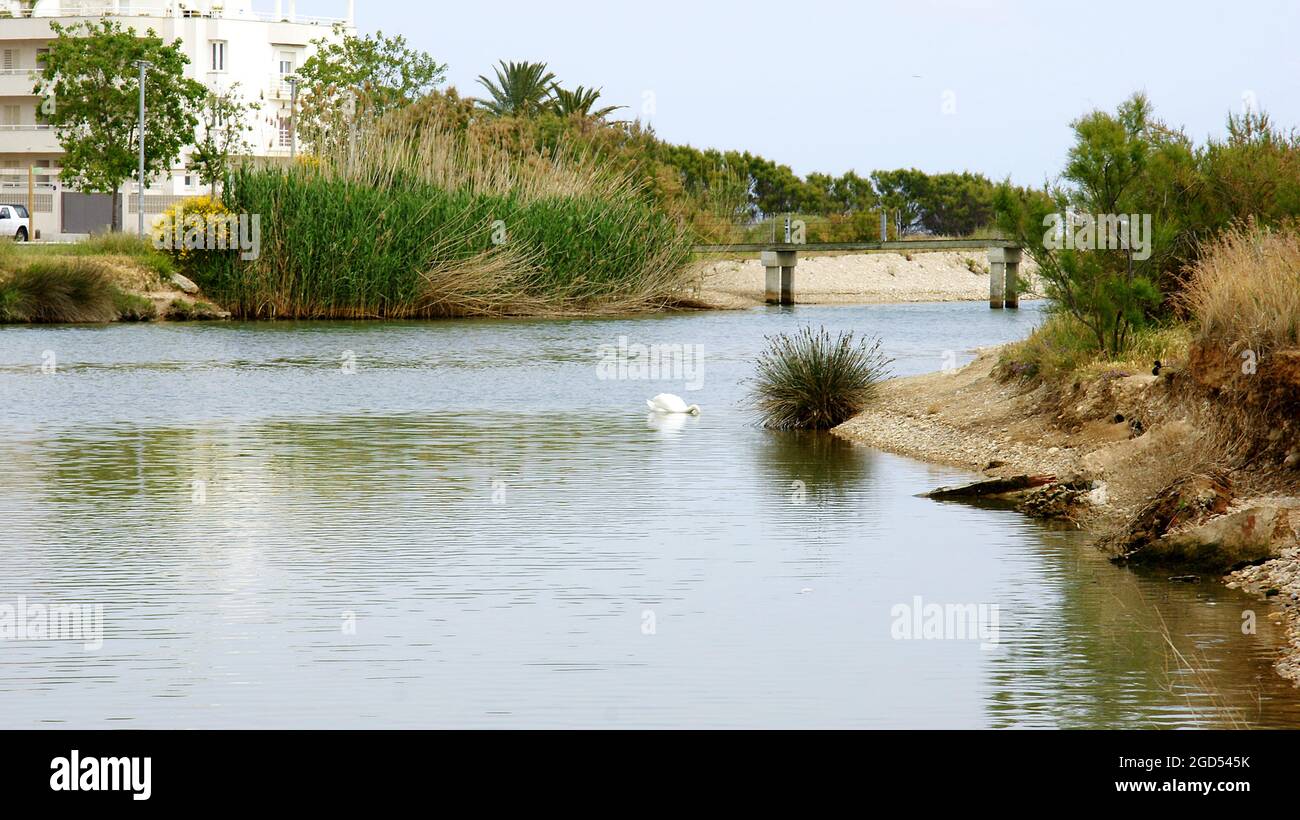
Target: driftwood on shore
{"points": [[993, 486]]}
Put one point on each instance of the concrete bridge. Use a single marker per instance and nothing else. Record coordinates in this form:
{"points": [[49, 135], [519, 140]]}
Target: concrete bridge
{"points": [[781, 258]]}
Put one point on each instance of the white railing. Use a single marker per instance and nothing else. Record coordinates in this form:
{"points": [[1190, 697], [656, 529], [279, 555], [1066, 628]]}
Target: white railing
{"points": [[134, 9], [38, 126], [278, 86]]}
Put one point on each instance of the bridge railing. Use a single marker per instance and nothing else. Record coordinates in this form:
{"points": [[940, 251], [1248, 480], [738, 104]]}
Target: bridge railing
{"points": [[860, 230]]}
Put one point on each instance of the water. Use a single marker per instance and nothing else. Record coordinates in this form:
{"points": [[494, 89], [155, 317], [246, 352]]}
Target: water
{"points": [[474, 529]]}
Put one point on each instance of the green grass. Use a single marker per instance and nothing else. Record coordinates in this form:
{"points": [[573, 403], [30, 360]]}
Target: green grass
{"points": [[183, 310], [810, 381], [140, 251], [132, 307], [1061, 350]]}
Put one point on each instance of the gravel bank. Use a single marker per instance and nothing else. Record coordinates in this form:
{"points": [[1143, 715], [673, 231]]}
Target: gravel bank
{"points": [[965, 418], [1278, 581]]}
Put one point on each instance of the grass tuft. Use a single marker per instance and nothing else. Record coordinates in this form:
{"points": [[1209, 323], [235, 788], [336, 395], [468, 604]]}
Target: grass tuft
{"points": [[57, 291], [811, 381]]}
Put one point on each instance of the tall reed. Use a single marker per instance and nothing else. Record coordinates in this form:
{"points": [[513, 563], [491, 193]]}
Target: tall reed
{"points": [[419, 221]]}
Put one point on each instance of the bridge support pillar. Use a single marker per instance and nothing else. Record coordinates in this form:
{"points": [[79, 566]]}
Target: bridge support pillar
{"points": [[779, 282], [1004, 278]]}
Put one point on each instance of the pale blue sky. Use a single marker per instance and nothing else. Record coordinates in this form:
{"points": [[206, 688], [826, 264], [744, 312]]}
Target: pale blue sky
{"points": [[829, 86]]}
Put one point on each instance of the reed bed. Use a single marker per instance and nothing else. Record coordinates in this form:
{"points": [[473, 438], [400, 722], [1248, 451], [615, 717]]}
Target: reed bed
{"points": [[421, 222]]}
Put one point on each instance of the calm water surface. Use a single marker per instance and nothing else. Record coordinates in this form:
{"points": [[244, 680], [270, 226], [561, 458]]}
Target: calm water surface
{"points": [[474, 528]]}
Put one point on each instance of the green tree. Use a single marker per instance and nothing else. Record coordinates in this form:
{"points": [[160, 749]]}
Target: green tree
{"points": [[580, 102], [92, 88], [360, 78], [957, 204], [224, 136], [520, 89], [853, 194], [902, 192], [1108, 173]]}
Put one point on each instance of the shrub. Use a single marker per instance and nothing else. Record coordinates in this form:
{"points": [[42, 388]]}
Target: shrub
{"points": [[165, 232], [184, 310], [808, 380], [1244, 291], [1062, 348], [132, 307]]}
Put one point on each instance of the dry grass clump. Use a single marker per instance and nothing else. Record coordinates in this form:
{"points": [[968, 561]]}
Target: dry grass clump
{"points": [[1244, 291]]}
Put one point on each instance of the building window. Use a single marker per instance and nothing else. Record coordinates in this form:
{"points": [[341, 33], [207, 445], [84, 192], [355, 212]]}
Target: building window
{"points": [[286, 63], [11, 115], [286, 132], [11, 60], [218, 55]]}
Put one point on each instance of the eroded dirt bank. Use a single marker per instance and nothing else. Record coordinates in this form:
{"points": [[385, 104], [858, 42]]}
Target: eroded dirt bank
{"points": [[1165, 469]]}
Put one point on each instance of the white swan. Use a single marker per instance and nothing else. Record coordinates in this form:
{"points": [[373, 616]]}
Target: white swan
{"points": [[668, 403]]}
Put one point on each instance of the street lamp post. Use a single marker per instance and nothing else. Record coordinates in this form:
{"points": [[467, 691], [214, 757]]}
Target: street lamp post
{"points": [[139, 204], [292, 79]]}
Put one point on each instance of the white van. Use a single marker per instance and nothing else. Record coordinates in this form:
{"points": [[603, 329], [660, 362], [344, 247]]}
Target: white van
{"points": [[15, 222]]}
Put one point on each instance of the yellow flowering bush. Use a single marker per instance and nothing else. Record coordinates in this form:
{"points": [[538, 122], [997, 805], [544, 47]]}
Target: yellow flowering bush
{"points": [[186, 224]]}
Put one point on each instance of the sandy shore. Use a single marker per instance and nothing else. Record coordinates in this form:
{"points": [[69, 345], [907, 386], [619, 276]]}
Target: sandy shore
{"points": [[862, 278]]}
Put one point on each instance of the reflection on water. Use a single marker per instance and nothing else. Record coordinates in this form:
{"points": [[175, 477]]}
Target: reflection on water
{"points": [[475, 530]]}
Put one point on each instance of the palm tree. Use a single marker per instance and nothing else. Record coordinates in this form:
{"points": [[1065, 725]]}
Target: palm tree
{"points": [[579, 102], [521, 89]]}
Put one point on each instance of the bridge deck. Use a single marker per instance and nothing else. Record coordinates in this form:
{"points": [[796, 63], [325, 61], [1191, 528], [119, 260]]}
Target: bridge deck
{"points": [[905, 245]]}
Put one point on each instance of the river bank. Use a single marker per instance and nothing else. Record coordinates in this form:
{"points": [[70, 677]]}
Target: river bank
{"points": [[1144, 462], [146, 286], [113, 278]]}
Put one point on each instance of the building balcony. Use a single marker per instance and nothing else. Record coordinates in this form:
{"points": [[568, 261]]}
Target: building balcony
{"points": [[279, 88], [17, 82], [29, 139]]}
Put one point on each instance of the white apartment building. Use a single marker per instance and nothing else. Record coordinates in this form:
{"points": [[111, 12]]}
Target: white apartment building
{"points": [[227, 42]]}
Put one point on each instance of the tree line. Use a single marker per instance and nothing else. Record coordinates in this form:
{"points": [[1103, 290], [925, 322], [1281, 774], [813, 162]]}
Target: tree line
{"points": [[89, 81]]}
